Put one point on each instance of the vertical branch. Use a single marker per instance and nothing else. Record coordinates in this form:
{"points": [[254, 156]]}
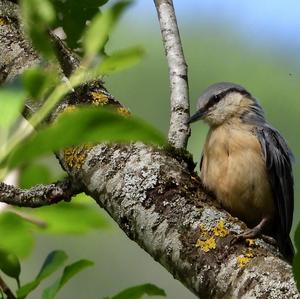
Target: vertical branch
{"points": [[179, 130]]}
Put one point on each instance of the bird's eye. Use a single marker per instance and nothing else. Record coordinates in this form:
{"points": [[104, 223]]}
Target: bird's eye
{"points": [[215, 99]]}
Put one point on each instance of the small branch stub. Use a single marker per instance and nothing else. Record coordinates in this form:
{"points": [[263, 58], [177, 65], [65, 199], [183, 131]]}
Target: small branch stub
{"points": [[39, 195], [179, 129]]}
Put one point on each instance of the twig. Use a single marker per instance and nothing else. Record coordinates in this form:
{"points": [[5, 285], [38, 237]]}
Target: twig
{"points": [[6, 290], [68, 61], [179, 130], [40, 195]]}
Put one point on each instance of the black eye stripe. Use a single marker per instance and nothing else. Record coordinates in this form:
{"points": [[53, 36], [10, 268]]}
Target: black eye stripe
{"points": [[217, 97]]}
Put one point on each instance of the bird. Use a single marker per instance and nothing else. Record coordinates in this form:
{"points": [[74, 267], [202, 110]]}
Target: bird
{"points": [[247, 164]]}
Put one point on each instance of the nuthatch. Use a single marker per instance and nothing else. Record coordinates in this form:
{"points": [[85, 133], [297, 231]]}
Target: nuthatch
{"points": [[246, 163]]}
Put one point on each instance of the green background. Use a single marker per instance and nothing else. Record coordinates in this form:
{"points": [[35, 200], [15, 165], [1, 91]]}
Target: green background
{"points": [[215, 51]]}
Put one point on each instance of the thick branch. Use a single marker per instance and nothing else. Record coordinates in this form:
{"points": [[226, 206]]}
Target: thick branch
{"points": [[16, 52], [40, 195], [161, 205], [179, 130]]}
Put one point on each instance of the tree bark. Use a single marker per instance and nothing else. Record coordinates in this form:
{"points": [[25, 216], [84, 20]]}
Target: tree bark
{"points": [[160, 203], [179, 130]]}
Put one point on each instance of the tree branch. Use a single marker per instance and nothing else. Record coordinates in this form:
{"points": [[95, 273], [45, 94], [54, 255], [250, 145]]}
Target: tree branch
{"points": [[179, 130], [6, 290], [16, 52], [161, 204], [40, 195], [69, 62]]}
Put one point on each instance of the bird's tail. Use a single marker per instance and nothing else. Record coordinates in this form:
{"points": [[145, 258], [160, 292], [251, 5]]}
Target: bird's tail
{"points": [[287, 249]]}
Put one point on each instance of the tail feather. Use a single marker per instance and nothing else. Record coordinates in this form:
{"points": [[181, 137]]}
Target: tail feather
{"points": [[286, 248]]}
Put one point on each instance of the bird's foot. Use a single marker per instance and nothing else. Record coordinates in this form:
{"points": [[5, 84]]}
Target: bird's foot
{"points": [[253, 233], [248, 234]]}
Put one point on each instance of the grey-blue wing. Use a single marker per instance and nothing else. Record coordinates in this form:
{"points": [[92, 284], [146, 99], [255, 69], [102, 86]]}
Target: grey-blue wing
{"points": [[278, 158]]}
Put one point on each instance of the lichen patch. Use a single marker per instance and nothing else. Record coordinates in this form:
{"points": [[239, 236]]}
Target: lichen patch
{"points": [[204, 233], [123, 111], [3, 21], [70, 108], [220, 230], [245, 258], [206, 245], [98, 98], [207, 240], [251, 242], [76, 156]]}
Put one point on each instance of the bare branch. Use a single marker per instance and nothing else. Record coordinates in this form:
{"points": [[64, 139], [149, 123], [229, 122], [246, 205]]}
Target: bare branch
{"points": [[40, 195], [6, 290], [68, 61], [179, 130]]}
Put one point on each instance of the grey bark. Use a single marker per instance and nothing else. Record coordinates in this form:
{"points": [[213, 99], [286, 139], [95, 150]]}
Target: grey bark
{"points": [[179, 130], [159, 202], [39, 195]]}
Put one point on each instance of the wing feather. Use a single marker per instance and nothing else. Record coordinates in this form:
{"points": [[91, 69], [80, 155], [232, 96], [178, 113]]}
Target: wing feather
{"points": [[278, 158]]}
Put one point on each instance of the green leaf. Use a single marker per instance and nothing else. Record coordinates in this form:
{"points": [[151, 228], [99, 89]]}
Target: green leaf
{"points": [[11, 102], [73, 16], [34, 174], [139, 291], [120, 60], [68, 273], [37, 17], [51, 264], [296, 261], [37, 81], [71, 218], [85, 125], [100, 27], [10, 264], [18, 236]]}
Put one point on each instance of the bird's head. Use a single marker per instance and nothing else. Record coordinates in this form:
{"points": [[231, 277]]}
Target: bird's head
{"points": [[223, 101]]}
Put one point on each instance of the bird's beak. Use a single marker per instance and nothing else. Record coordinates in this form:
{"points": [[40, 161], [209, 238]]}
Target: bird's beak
{"points": [[198, 115]]}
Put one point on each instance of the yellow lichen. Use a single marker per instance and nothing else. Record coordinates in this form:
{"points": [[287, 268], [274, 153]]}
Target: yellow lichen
{"points": [[3, 21], [220, 230], [206, 245], [70, 108], [251, 242], [99, 99], [232, 219], [249, 253], [245, 258], [75, 156], [123, 111], [204, 233]]}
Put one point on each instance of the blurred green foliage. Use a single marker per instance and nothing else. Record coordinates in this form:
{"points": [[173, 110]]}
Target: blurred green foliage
{"points": [[38, 18], [68, 273], [85, 125], [52, 263], [139, 291], [72, 16], [11, 102]]}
